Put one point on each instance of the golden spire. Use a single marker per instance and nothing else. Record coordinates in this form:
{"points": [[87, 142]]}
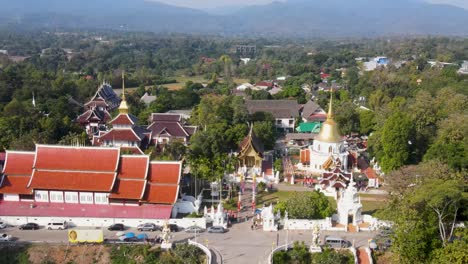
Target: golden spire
{"points": [[123, 108], [329, 131], [330, 107]]}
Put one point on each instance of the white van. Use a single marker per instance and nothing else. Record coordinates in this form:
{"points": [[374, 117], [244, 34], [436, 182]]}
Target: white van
{"points": [[57, 225]]}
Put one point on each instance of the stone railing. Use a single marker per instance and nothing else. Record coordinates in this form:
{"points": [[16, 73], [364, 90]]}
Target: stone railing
{"points": [[206, 250], [354, 252], [283, 247]]}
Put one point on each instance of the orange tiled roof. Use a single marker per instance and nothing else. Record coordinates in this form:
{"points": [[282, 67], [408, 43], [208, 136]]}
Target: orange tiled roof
{"points": [[15, 185], [166, 194], [126, 134], [76, 158], [18, 163], [305, 156], [163, 182], [72, 180], [128, 189], [165, 172], [133, 167]]}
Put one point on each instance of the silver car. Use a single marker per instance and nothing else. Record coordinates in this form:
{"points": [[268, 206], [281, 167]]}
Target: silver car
{"points": [[5, 237], [194, 229], [216, 229]]}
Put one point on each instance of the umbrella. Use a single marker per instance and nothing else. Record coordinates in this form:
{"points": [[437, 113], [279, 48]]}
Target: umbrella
{"points": [[142, 237], [130, 235]]}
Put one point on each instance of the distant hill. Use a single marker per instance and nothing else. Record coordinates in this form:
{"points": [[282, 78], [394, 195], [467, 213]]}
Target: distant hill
{"points": [[307, 18]]}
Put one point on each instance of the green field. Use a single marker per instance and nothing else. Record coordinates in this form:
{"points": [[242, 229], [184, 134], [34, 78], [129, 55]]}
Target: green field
{"points": [[181, 80], [277, 196]]}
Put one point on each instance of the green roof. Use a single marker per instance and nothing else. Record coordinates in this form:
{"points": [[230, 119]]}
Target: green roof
{"points": [[309, 127]]}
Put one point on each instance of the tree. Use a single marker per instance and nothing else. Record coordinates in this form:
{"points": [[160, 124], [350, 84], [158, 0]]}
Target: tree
{"points": [[444, 199], [265, 131], [366, 121], [397, 137], [307, 205]]}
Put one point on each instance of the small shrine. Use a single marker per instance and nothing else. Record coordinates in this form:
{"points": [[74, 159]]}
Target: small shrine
{"points": [[349, 206], [268, 219], [251, 152], [219, 218]]}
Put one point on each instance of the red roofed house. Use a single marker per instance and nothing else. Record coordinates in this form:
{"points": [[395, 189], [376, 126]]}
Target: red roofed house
{"points": [[96, 113], [16, 175], [125, 132], [68, 181], [165, 128], [324, 75]]}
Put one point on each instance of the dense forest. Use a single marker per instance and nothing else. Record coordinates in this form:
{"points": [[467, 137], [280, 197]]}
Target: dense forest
{"points": [[415, 114]]}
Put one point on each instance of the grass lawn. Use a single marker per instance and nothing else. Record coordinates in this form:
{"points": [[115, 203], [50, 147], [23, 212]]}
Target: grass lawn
{"points": [[370, 207], [275, 196]]}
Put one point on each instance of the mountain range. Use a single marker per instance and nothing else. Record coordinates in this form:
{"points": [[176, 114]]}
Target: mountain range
{"points": [[293, 18]]}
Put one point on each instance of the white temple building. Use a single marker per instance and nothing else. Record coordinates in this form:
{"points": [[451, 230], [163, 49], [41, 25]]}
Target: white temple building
{"points": [[328, 149], [349, 206]]}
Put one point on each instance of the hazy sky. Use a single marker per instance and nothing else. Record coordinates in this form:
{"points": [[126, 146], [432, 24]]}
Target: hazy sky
{"points": [[200, 4], [214, 3]]}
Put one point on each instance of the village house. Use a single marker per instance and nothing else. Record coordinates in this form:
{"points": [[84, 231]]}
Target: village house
{"points": [[167, 127], [285, 112], [312, 112]]}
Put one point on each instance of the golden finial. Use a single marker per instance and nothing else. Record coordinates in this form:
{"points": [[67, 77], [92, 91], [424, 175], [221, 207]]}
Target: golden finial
{"points": [[123, 85], [123, 108]]}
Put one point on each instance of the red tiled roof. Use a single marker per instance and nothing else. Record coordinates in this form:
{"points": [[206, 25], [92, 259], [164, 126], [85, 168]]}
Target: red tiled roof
{"points": [[15, 185], [166, 194], [133, 167], [165, 117], [72, 180], [145, 211], [76, 158], [174, 129], [370, 173], [305, 156], [124, 119], [18, 163], [165, 172], [126, 134], [128, 189], [163, 185]]}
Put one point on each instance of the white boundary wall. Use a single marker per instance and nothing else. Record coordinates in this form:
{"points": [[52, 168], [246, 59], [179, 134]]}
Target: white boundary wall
{"points": [[205, 249], [102, 222], [305, 224]]}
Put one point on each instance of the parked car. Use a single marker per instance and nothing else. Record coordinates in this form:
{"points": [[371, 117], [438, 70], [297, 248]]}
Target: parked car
{"points": [[174, 227], [5, 237], [216, 229], [2, 225], [57, 225], [148, 227], [194, 229], [29, 226], [116, 227]]}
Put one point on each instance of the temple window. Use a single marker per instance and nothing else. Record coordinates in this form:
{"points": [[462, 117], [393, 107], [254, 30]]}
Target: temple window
{"points": [[330, 149]]}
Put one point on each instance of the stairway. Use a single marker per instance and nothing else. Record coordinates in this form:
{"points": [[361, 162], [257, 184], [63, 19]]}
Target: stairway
{"points": [[363, 258]]}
